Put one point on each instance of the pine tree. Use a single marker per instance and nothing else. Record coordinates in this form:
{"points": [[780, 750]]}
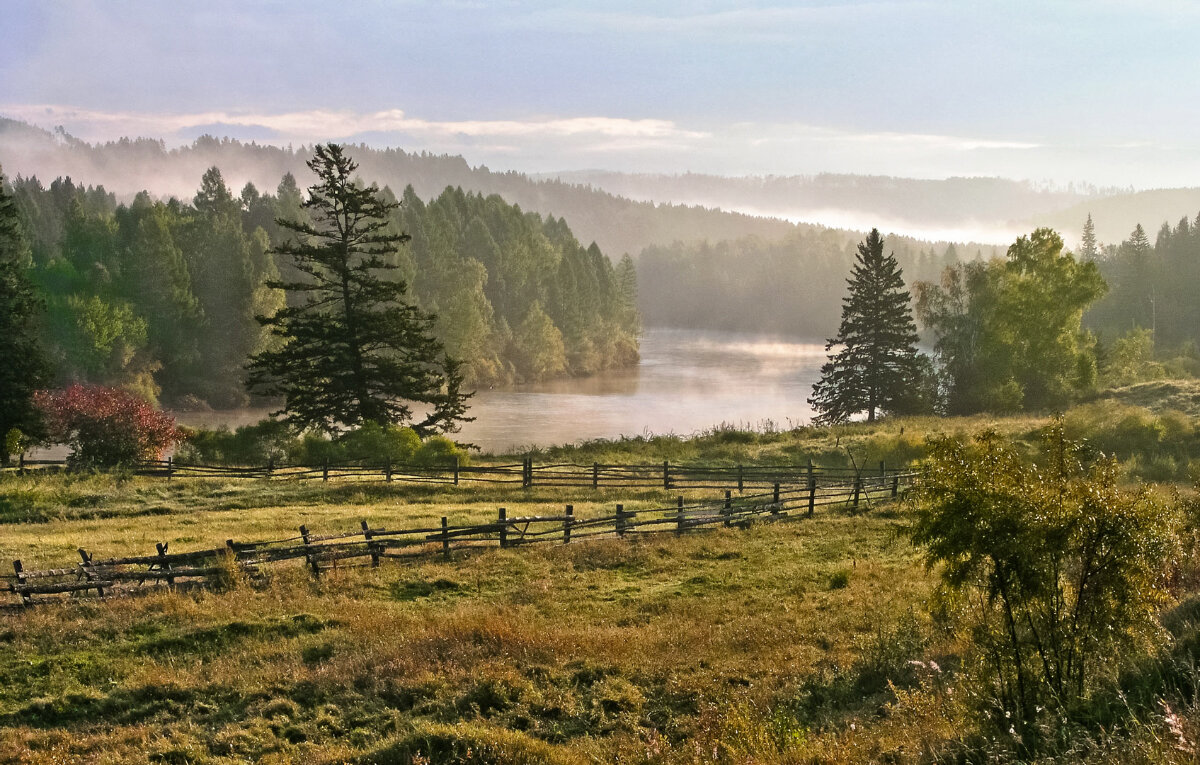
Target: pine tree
{"points": [[1087, 248], [878, 369], [353, 350], [23, 367]]}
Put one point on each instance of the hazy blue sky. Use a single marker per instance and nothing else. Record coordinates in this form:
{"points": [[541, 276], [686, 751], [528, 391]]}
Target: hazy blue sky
{"points": [[1101, 91]]}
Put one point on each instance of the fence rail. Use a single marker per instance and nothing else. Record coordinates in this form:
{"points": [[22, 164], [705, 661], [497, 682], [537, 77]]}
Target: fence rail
{"points": [[663, 475], [112, 577]]}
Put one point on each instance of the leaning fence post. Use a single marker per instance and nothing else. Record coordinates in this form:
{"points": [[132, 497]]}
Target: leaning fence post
{"points": [[568, 520], [620, 520], [503, 523], [595, 475], [372, 547], [666, 475], [445, 537], [308, 556], [727, 511], [26, 599], [163, 566], [88, 572]]}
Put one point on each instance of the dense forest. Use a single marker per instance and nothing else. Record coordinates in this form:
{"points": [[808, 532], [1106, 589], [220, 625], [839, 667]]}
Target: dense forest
{"points": [[792, 285], [161, 297], [1151, 286]]}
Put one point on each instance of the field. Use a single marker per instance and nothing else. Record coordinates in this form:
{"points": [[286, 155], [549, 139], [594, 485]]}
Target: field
{"points": [[597, 649], [803, 641]]}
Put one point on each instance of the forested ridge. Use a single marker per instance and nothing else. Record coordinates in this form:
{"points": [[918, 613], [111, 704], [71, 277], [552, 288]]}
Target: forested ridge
{"points": [[618, 225], [160, 297]]}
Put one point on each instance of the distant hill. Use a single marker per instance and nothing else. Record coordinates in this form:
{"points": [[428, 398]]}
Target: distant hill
{"points": [[616, 224], [1116, 215]]}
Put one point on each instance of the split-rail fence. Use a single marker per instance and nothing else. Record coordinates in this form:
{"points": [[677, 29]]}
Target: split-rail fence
{"points": [[659, 475], [213, 567]]}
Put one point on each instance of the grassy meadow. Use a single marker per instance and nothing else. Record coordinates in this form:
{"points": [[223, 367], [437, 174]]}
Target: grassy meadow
{"points": [[798, 642]]}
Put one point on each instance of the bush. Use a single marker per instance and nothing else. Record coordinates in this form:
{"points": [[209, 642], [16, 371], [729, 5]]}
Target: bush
{"points": [[258, 444], [1054, 569], [105, 426]]}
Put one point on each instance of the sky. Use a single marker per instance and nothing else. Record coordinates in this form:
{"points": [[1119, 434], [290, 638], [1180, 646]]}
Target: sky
{"points": [[1056, 91]]}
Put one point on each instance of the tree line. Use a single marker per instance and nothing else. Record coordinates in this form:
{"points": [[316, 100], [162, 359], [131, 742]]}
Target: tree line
{"points": [[160, 297]]}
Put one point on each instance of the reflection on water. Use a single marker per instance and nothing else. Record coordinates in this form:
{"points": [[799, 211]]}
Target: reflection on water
{"points": [[687, 381]]}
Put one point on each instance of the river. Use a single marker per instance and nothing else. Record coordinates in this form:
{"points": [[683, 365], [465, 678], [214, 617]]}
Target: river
{"points": [[687, 381]]}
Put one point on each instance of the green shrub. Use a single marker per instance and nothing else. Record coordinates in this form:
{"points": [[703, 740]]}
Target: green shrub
{"points": [[374, 443], [1023, 549], [440, 451]]}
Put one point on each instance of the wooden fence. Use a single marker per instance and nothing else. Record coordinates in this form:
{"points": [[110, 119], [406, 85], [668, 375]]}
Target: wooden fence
{"points": [[662, 475], [207, 568]]}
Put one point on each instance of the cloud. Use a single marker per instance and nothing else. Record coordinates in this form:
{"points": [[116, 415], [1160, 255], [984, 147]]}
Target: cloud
{"points": [[326, 125]]}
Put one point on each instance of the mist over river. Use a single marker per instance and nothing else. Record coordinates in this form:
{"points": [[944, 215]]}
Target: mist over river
{"points": [[687, 380]]}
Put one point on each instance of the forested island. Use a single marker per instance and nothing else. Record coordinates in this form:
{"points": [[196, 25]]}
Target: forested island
{"points": [[161, 297]]}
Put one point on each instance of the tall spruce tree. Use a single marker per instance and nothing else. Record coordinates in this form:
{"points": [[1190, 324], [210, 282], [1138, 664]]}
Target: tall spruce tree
{"points": [[23, 367], [352, 350], [878, 369]]}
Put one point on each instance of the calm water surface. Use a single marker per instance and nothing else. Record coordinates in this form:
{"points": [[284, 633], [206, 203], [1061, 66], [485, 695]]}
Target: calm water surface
{"points": [[687, 381]]}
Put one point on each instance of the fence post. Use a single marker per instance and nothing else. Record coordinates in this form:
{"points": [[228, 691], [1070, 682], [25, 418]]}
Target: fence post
{"points": [[666, 475], [26, 600], [595, 475], [812, 492], [88, 572], [679, 517], [741, 479], [325, 471], [858, 485], [387, 471], [161, 547], [567, 521], [727, 511], [21, 467], [270, 466], [308, 556], [620, 520], [775, 500], [371, 546], [456, 466], [526, 473], [882, 469], [445, 538], [170, 469], [895, 484], [503, 522]]}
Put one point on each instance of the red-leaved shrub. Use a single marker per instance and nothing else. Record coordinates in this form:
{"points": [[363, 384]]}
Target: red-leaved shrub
{"points": [[105, 426]]}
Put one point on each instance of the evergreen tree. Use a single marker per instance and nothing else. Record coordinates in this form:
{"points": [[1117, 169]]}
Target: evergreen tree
{"points": [[23, 368], [354, 350], [878, 369], [1087, 247]]}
